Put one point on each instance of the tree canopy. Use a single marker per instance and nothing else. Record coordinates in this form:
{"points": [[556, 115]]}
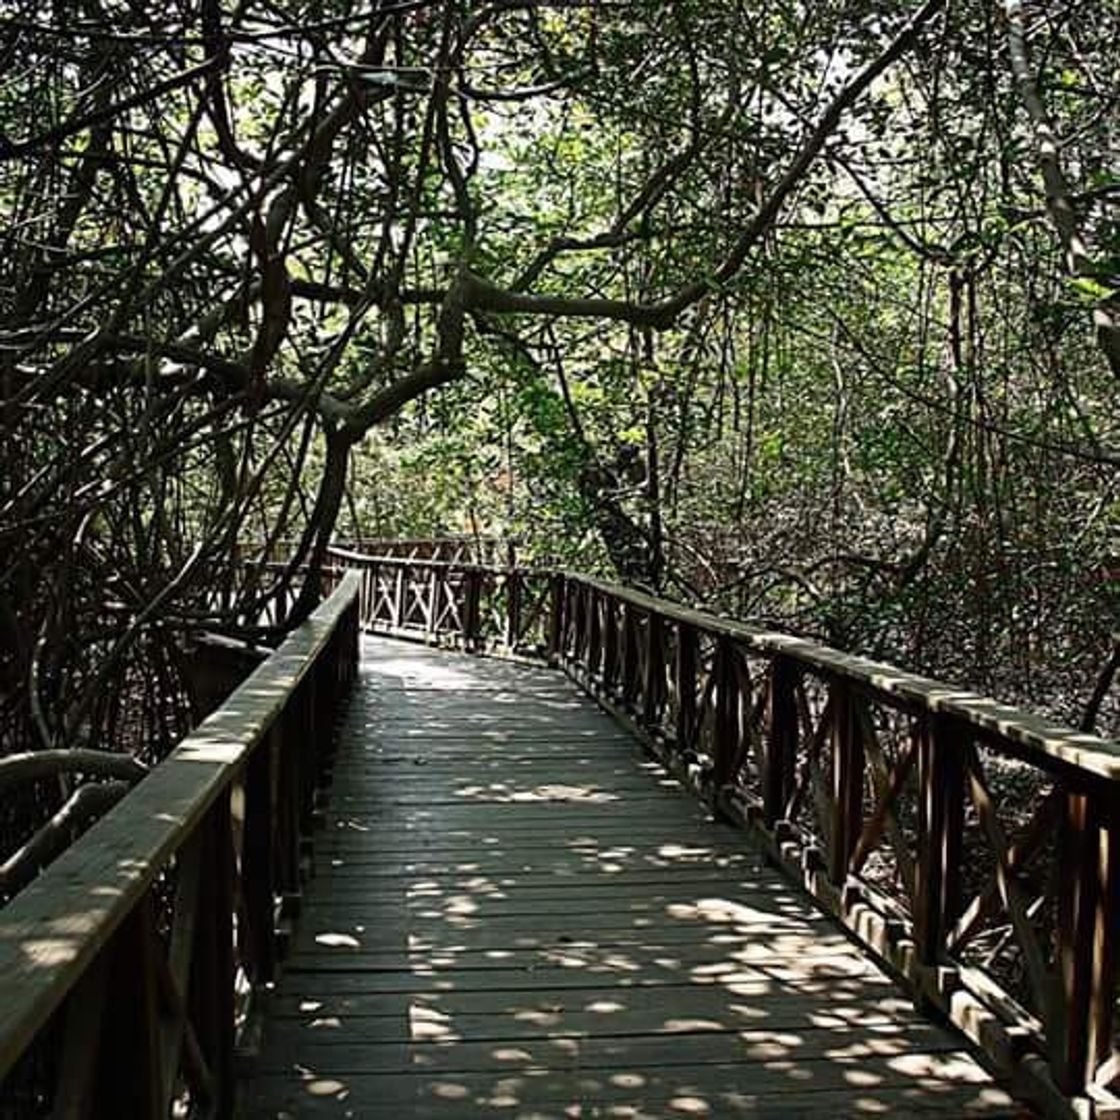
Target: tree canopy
{"points": [[804, 310]]}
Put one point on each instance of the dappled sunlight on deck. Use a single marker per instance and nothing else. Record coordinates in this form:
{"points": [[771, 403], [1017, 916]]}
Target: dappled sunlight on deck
{"points": [[516, 914]]}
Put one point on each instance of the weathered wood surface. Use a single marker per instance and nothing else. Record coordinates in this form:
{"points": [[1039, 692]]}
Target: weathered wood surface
{"points": [[515, 914], [52, 932]]}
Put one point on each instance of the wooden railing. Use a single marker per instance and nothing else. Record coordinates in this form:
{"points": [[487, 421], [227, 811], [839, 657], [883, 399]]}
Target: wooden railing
{"points": [[971, 845], [128, 966], [480, 608]]}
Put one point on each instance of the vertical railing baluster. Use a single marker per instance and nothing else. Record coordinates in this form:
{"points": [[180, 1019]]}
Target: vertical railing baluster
{"points": [[685, 670], [129, 1079], [513, 609], [653, 683], [370, 614], [397, 608], [1079, 1020], [441, 600], [353, 644], [311, 737], [211, 993], [556, 599], [610, 645], [847, 782], [726, 722], [941, 787], [594, 634], [259, 862], [472, 620], [367, 591], [566, 619], [431, 621], [780, 752], [284, 744], [630, 682], [579, 620]]}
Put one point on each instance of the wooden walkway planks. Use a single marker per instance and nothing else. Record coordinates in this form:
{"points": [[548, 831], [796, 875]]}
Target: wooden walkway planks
{"points": [[515, 914]]}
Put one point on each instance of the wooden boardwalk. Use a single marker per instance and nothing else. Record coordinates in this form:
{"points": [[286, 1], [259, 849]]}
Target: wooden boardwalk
{"points": [[515, 914]]}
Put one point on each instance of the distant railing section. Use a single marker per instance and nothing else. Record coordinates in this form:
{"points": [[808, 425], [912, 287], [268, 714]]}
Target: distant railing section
{"points": [[467, 549], [973, 846], [136, 954], [477, 607]]}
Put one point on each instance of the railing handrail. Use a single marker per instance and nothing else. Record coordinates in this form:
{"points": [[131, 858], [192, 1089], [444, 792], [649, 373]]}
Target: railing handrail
{"points": [[1041, 741], [336, 552], [54, 929]]}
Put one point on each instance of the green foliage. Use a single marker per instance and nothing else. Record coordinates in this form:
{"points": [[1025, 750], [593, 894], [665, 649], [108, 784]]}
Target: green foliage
{"points": [[445, 238]]}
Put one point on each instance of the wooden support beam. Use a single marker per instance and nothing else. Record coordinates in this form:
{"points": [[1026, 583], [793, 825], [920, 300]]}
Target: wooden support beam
{"points": [[556, 597], [726, 713], [610, 646], [210, 999], [313, 730], [780, 748], [129, 1083], [81, 1043], [368, 595], [630, 682], [1079, 1025], [653, 681], [578, 616], [258, 862], [685, 670], [594, 634], [847, 782], [941, 746], [472, 609], [514, 606]]}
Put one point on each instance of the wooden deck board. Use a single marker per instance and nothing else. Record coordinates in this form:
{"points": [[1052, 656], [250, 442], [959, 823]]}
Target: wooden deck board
{"points": [[515, 914]]}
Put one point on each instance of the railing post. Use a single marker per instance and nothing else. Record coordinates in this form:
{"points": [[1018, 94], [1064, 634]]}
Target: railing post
{"points": [[610, 645], [1079, 1023], [726, 724], [432, 609], [472, 612], [211, 998], [847, 782], [313, 710], [579, 625], [513, 608], [780, 752], [940, 834], [367, 598], [396, 610], [685, 669], [653, 686], [629, 655], [353, 654], [594, 634], [285, 744], [568, 625], [259, 862], [556, 595], [129, 1080], [375, 596], [440, 600]]}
